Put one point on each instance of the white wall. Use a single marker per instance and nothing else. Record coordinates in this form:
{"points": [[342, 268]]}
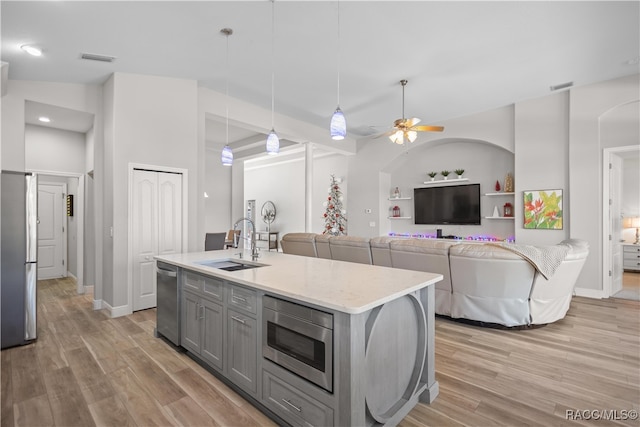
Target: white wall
{"points": [[630, 193], [280, 180], [587, 105], [483, 163], [54, 150], [542, 157], [153, 121], [217, 185], [369, 177]]}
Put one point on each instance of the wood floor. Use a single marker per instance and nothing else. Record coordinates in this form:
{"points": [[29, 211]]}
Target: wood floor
{"points": [[87, 369]]}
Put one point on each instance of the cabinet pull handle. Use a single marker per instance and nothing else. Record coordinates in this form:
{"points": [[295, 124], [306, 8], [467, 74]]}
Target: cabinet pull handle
{"points": [[201, 311], [237, 319], [197, 310], [239, 298], [297, 408]]}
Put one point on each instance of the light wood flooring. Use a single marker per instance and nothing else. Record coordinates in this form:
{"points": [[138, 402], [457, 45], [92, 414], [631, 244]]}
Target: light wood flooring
{"points": [[87, 369]]}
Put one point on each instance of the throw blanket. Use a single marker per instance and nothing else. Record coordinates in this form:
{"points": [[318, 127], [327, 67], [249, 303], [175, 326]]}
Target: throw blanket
{"points": [[545, 259]]}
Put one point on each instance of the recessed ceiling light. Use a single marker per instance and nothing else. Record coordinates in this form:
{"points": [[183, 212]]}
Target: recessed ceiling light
{"points": [[31, 50], [44, 119]]}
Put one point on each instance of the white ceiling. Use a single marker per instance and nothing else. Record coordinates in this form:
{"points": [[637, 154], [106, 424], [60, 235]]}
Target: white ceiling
{"points": [[459, 57]]}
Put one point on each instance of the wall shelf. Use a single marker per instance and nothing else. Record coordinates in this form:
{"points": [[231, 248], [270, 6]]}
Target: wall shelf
{"points": [[499, 194], [498, 217], [445, 181], [399, 198], [398, 217]]}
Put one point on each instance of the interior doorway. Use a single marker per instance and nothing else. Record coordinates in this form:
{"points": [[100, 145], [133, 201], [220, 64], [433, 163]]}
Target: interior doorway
{"points": [[620, 196], [52, 230]]}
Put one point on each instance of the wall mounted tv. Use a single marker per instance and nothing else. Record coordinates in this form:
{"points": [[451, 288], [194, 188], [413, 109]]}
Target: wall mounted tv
{"points": [[452, 204]]}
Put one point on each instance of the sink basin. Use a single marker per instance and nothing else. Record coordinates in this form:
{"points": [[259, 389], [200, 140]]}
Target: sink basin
{"points": [[229, 264]]}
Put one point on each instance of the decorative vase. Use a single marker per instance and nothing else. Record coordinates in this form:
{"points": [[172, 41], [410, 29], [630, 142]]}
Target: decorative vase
{"points": [[496, 213], [497, 185], [396, 193], [433, 179], [445, 178], [459, 176], [508, 183]]}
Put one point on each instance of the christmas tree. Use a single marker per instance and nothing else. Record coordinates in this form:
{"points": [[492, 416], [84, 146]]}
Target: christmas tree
{"points": [[335, 221]]}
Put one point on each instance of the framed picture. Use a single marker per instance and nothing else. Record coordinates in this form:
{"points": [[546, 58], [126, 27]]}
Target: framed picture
{"points": [[543, 209]]}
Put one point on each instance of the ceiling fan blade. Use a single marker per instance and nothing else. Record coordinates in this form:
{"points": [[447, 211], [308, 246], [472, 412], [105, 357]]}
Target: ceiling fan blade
{"points": [[388, 133], [412, 122], [425, 128]]}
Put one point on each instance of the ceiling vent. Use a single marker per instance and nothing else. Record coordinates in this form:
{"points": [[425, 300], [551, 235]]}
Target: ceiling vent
{"points": [[96, 57], [561, 86]]}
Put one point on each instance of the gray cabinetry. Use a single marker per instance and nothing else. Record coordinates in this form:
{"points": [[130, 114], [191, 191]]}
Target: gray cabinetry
{"points": [[242, 349], [203, 317], [292, 404]]}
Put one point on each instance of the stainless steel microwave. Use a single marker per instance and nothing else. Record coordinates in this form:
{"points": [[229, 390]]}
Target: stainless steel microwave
{"points": [[300, 339]]}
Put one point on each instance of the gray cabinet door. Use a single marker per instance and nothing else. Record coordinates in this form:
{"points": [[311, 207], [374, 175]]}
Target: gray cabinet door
{"points": [[213, 322], [242, 350], [191, 330]]}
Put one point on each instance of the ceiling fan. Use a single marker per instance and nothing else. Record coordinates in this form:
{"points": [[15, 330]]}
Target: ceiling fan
{"points": [[406, 129]]}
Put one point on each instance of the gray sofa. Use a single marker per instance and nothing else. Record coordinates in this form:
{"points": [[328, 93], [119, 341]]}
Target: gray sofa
{"points": [[481, 282]]}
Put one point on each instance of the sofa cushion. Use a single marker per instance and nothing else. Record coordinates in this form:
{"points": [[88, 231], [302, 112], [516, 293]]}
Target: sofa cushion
{"points": [[299, 244], [351, 248]]}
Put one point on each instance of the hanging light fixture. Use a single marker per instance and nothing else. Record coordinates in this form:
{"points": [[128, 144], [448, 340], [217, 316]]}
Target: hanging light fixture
{"points": [[227, 153], [273, 143], [338, 125]]}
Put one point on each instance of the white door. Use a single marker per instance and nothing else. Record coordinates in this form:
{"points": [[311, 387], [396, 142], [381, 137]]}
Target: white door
{"points": [[156, 229], [51, 231], [615, 222]]}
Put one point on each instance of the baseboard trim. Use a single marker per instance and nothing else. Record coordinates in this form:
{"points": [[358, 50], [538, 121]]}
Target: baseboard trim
{"points": [[123, 310], [589, 293]]}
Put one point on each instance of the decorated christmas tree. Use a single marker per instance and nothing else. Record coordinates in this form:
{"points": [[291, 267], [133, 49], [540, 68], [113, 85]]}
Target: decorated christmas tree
{"points": [[335, 221]]}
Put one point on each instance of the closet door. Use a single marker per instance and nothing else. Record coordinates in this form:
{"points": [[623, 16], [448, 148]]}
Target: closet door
{"points": [[156, 229]]}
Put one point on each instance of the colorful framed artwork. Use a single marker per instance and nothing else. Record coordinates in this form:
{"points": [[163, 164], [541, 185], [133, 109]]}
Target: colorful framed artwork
{"points": [[543, 209]]}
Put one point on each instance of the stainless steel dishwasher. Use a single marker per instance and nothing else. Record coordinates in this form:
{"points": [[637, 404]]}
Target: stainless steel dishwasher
{"points": [[168, 306]]}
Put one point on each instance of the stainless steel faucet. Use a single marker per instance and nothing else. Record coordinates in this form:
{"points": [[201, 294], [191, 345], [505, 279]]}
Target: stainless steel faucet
{"points": [[254, 249]]}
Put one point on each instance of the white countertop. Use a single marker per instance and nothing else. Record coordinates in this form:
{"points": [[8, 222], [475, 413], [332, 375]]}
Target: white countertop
{"points": [[342, 286]]}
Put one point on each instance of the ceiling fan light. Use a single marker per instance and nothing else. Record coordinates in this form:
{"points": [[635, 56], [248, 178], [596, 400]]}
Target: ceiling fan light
{"points": [[273, 143], [412, 135], [397, 137], [227, 156], [338, 125]]}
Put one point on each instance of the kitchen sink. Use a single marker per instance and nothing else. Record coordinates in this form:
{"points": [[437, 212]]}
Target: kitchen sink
{"points": [[229, 264]]}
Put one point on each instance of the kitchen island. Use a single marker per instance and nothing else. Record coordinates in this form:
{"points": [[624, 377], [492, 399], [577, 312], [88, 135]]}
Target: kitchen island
{"points": [[311, 341]]}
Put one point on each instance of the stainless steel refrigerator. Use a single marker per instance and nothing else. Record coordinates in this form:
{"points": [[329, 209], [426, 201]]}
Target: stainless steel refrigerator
{"points": [[19, 257]]}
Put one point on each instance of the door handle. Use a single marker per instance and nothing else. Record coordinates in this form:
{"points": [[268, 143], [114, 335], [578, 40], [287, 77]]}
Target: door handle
{"points": [[237, 319], [167, 273], [297, 408]]}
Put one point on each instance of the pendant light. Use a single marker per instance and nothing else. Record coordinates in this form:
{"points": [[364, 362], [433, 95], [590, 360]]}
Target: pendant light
{"points": [[338, 125], [227, 153], [273, 143]]}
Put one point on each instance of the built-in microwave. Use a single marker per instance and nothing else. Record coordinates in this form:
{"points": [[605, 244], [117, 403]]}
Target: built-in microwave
{"points": [[300, 339]]}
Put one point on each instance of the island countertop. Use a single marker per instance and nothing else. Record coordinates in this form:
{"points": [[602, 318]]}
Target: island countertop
{"points": [[342, 286]]}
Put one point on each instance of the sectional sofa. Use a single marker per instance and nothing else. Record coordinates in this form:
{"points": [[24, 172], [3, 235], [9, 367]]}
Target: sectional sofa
{"points": [[483, 282]]}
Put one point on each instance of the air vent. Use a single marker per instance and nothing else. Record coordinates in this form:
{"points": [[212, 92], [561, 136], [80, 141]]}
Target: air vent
{"points": [[96, 57], [561, 86]]}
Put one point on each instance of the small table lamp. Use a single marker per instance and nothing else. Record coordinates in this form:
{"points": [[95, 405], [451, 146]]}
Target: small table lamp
{"points": [[633, 222]]}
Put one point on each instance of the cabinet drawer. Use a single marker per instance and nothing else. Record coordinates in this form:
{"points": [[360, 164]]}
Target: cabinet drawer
{"points": [[213, 288], [632, 249], [242, 298], [192, 281], [293, 405]]}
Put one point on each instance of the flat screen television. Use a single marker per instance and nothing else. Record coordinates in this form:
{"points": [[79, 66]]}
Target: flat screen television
{"points": [[452, 204]]}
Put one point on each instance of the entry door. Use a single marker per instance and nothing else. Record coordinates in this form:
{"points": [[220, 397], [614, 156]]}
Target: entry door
{"points": [[156, 227], [51, 231], [615, 225]]}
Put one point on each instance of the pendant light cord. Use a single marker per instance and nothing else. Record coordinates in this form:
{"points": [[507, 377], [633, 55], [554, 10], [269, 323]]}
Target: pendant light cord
{"points": [[227, 90], [339, 49], [273, 62]]}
